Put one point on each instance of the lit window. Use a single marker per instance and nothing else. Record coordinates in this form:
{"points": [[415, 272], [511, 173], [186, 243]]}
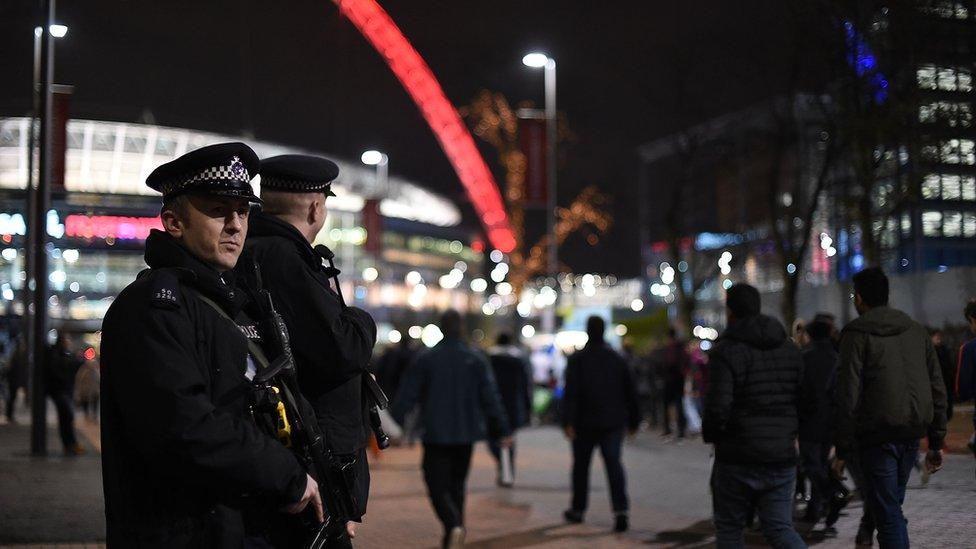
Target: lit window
{"points": [[968, 184], [965, 80], [952, 224], [930, 187], [967, 151], [969, 224], [951, 188], [946, 78], [926, 76], [932, 223], [906, 224]]}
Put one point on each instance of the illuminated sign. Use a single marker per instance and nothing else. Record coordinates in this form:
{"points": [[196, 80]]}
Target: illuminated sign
{"points": [[110, 226], [455, 139]]}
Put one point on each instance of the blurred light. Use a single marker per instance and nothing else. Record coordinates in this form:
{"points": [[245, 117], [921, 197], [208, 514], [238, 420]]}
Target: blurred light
{"points": [[431, 335], [415, 332], [503, 267], [447, 282], [7, 293], [57, 31], [461, 266], [90, 354], [372, 157], [413, 278], [370, 274], [479, 285], [667, 275], [70, 255], [790, 268], [726, 283], [636, 305], [904, 262], [535, 60], [524, 309], [57, 277], [620, 330], [504, 288], [587, 280], [589, 291], [497, 275], [456, 247], [9, 254], [488, 309], [705, 345], [528, 331], [496, 256], [942, 268], [831, 251], [75, 287], [394, 336]]}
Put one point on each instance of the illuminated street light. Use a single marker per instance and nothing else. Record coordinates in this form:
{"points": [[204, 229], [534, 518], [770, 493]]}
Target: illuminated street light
{"points": [[373, 158], [57, 31], [539, 60]]}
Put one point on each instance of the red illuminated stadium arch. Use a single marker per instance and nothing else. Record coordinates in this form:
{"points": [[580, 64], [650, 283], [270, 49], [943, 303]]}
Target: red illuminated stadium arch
{"points": [[416, 77]]}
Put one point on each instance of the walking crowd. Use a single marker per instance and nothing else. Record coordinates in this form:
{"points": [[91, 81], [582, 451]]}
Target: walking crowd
{"points": [[219, 356]]}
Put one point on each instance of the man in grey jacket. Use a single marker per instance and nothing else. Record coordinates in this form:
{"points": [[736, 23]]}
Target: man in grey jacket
{"points": [[889, 395], [459, 405]]}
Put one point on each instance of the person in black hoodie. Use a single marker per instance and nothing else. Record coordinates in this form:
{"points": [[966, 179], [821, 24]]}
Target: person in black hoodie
{"points": [[600, 403], [754, 380], [816, 437]]}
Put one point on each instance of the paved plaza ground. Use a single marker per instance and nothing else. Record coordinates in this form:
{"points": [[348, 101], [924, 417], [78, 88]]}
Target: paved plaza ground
{"points": [[56, 501]]}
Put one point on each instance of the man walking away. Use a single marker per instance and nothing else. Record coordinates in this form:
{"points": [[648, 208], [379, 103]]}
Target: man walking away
{"points": [[819, 374], [61, 367], [889, 395], [459, 406], [514, 378], [674, 366], [754, 378], [600, 402]]}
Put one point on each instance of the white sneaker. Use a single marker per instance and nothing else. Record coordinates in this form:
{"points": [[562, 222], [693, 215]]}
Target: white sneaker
{"points": [[455, 539]]}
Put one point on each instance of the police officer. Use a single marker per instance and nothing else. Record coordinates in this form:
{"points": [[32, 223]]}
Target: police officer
{"points": [[332, 343], [181, 458]]}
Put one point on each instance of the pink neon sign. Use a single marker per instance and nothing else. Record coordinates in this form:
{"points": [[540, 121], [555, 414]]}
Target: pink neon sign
{"points": [[416, 77], [110, 226]]}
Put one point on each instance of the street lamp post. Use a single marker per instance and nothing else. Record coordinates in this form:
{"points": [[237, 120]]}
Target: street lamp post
{"points": [[37, 229], [382, 163], [542, 61]]}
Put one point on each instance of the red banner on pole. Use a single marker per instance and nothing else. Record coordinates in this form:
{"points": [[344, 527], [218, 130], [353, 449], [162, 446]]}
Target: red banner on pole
{"points": [[373, 223], [60, 102], [532, 141]]}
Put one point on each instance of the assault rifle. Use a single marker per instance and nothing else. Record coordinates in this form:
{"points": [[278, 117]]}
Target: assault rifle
{"points": [[296, 427]]}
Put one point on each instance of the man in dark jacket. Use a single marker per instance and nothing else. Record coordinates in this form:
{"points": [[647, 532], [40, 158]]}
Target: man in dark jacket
{"points": [[332, 343], [889, 395], [816, 436], [61, 368], [599, 405], [459, 405], [182, 459], [513, 375], [754, 380]]}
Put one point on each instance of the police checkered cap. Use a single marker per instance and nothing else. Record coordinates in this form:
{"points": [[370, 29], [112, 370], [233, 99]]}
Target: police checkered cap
{"points": [[223, 169]]}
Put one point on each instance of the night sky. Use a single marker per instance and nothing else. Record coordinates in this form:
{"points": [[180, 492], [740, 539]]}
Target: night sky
{"points": [[297, 73]]}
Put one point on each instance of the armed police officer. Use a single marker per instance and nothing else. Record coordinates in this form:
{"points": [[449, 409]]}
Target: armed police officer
{"points": [[182, 459], [332, 343]]}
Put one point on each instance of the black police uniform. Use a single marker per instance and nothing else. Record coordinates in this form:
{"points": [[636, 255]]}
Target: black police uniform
{"points": [[181, 457], [332, 344]]}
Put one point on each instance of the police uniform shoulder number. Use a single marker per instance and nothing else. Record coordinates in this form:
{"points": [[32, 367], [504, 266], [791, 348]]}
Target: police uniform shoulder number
{"points": [[165, 290]]}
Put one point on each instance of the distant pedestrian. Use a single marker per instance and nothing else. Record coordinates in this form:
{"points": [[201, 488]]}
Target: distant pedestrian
{"points": [[754, 379], [889, 394], [965, 384], [514, 378], [393, 363], [948, 367], [600, 404], [87, 390], [674, 367], [816, 436], [459, 403], [16, 375], [60, 368]]}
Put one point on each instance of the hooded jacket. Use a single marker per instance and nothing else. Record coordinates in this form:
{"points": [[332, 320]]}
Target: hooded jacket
{"points": [[889, 383], [754, 380]]}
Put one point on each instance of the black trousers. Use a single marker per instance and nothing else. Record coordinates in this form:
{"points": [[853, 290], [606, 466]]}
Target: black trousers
{"points": [[816, 467], [610, 443], [676, 399], [446, 469], [64, 403]]}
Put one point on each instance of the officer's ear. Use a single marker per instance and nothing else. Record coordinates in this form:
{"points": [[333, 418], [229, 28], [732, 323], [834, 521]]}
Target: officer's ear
{"points": [[315, 214], [172, 215]]}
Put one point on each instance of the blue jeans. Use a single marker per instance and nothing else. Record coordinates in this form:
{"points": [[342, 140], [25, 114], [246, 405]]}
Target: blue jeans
{"points": [[886, 468], [738, 488]]}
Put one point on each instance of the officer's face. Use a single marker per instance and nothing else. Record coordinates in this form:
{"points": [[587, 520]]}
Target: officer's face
{"points": [[212, 228]]}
